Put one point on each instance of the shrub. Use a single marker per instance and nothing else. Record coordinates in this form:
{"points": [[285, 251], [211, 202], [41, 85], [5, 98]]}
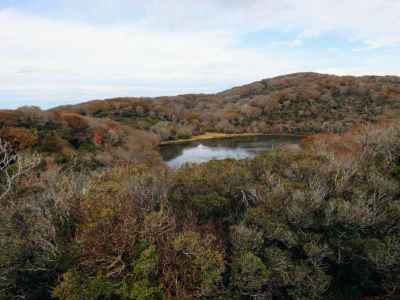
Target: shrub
{"points": [[20, 138]]}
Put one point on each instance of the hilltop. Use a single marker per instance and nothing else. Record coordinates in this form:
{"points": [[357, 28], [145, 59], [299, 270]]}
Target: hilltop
{"points": [[300, 103], [295, 103]]}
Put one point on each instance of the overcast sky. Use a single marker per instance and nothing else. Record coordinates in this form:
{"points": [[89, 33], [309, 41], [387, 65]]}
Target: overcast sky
{"points": [[55, 52]]}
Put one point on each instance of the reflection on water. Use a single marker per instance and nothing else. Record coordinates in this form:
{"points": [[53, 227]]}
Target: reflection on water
{"points": [[237, 148]]}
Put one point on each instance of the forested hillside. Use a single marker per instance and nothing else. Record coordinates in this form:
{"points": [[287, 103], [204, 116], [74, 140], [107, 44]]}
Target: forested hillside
{"points": [[297, 103], [128, 128], [63, 136]]}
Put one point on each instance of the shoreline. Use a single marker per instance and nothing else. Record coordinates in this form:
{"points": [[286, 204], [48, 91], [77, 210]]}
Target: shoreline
{"points": [[220, 135]]}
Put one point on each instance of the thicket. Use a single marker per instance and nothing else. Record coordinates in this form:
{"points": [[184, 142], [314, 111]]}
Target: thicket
{"points": [[101, 133], [296, 103], [322, 222], [63, 137]]}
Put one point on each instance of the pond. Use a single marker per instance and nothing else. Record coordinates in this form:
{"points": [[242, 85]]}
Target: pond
{"points": [[176, 155]]}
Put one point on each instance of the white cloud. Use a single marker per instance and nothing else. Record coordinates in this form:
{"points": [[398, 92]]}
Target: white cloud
{"points": [[183, 46], [376, 20], [40, 54]]}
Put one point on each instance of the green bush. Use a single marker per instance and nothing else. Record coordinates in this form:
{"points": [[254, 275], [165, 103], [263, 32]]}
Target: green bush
{"points": [[321, 222]]}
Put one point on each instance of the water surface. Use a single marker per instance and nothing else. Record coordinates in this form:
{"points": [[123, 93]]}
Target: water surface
{"points": [[177, 155]]}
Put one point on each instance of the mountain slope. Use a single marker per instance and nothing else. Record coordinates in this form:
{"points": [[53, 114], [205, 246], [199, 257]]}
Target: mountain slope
{"points": [[129, 128], [296, 103]]}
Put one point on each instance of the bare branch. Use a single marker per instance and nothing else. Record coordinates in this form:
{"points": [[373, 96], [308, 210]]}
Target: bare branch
{"points": [[12, 166]]}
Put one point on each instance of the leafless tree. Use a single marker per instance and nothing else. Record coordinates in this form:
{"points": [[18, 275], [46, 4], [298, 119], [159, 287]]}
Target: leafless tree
{"points": [[12, 166]]}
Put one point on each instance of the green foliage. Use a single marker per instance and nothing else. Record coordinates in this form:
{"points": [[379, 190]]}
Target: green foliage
{"points": [[63, 159], [211, 192], [184, 133], [141, 283], [137, 284], [199, 265], [76, 287], [246, 239], [87, 146], [209, 206], [321, 222], [184, 136], [249, 274]]}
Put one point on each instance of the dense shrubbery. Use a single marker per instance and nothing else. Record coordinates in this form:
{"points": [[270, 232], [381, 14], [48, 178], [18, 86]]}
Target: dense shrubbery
{"points": [[103, 132], [297, 103], [65, 136], [100, 216], [317, 223]]}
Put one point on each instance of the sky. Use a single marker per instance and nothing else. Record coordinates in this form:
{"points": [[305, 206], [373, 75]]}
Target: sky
{"points": [[56, 52]]}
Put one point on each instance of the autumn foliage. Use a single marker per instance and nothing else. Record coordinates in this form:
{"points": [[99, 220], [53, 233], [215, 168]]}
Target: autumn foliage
{"points": [[296, 103], [101, 217]]}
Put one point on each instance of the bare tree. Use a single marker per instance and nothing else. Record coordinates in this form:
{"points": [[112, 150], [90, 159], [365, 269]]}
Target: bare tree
{"points": [[12, 166]]}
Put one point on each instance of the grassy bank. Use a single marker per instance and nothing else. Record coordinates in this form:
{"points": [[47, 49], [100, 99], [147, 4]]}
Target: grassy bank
{"points": [[220, 135]]}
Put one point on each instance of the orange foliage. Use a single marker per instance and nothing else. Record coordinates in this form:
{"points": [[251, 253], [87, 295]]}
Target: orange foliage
{"points": [[75, 121], [349, 144], [9, 118], [20, 138], [334, 142], [97, 137]]}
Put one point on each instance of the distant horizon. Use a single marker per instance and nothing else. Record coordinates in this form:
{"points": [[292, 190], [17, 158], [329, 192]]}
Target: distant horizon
{"points": [[67, 51], [50, 104]]}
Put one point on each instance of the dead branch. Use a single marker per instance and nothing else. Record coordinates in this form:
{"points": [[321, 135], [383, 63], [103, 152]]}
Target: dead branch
{"points": [[12, 166]]}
